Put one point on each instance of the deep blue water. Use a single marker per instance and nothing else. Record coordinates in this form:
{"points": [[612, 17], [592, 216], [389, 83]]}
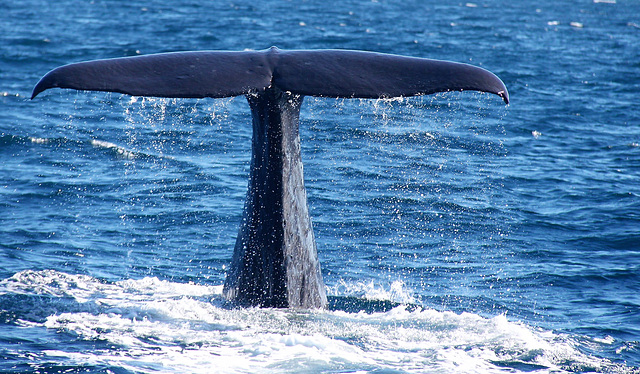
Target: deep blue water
{"points": [[475, 238]]}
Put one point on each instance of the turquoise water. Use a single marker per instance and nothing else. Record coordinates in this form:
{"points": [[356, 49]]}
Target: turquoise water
{"points": [[456, 235]]}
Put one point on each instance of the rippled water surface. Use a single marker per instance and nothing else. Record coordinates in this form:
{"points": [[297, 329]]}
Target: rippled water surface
{"points": [[456, 235]]}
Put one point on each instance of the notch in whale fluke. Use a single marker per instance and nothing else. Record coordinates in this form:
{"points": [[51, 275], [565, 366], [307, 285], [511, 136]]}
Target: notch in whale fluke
{"points": [[325, 73]]}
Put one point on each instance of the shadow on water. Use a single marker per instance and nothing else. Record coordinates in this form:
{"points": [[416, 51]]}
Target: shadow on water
{"points": [[351, 304]]}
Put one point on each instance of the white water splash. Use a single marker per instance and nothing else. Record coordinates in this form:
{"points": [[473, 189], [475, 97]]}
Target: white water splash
{"points": [[396, 292], [159, 326]]}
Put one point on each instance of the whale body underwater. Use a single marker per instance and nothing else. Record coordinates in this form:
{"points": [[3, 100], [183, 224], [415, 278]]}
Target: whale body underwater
{"points": [[275, 261]]}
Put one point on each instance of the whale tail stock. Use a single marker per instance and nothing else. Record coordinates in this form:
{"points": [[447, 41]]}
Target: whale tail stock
{"points": [[275, 262]]}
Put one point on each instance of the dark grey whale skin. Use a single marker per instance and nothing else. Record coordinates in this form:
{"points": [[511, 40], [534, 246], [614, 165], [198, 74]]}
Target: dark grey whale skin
{"points": [[275, 261]]}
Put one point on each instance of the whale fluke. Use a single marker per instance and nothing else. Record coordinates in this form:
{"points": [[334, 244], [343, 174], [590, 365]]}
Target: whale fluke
{"points": [[178, 74], [370, 75], [326, 73], [275, 261]]}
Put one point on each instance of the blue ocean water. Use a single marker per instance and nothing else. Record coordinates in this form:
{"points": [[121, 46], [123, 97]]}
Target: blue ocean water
{"points": [[456, 235]]}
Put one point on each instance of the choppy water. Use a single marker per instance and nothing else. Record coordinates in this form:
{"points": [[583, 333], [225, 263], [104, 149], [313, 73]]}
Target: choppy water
{"points": [[456, 235]]}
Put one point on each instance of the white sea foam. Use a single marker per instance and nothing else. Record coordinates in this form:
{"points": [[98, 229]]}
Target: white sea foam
{"points": [[168, 327], [120, 150], [38, 140]]}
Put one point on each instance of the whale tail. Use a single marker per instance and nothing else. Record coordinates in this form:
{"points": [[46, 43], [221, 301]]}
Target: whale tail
{"points": [[275, 262], [325, 73]]}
